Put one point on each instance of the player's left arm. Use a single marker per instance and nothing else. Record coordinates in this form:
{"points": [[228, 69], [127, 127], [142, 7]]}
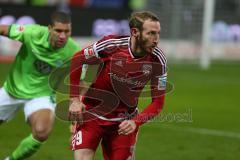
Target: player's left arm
{"points": [[19, 32], [158, 89], [128, 126], [78, 87]]}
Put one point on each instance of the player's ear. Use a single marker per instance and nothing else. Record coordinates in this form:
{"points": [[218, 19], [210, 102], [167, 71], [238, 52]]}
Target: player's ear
{"points": [[135, 32], [49, 27]]}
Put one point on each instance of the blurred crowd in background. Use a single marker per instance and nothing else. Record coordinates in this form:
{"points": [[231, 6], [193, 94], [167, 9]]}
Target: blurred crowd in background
{"points": [[133, 4], [181, 21]]}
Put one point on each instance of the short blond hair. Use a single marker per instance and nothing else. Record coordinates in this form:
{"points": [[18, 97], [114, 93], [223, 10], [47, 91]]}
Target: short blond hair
{"points": [[137, 19]]}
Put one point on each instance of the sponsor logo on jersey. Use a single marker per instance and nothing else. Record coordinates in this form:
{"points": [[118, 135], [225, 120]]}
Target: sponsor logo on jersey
{"points": [[130, 82], [42, 67], [147, 69], [20, 28], [88, 52], [119, 63]]}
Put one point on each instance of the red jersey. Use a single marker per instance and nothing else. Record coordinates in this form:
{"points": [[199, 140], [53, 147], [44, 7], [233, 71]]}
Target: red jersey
{"points": [[120, 80]]}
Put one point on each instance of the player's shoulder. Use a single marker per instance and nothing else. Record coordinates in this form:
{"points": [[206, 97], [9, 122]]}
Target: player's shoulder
{"points": [[71, 42], [36, 27], [159, 56], [112, 40], [72, 45], [110, 44], [28, 28], [36, 31]]}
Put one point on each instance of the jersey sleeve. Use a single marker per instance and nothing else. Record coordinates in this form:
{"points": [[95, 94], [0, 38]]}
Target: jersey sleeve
{"points": [[78, 68], [70, 50], [74, 46], [105, 47], [20, 32], [158, 89]]}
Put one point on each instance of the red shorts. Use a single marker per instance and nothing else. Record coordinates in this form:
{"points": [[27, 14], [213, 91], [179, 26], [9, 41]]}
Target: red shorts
{"points": [[115, 146]]}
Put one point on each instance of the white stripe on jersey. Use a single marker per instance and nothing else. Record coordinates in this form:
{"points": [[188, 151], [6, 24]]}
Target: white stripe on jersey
{"points": [[161, 58], [112, 39], [112, 45], [111, 42], [129, 48], [120, 43], [161, 52], [163, 65], [95, 51]]}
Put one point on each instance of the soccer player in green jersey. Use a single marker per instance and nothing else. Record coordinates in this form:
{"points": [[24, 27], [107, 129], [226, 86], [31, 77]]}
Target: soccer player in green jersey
{"points": [[43, 49]]}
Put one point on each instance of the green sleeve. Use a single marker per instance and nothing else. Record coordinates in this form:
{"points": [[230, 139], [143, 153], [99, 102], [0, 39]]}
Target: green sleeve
{"points": [[20, 32]]}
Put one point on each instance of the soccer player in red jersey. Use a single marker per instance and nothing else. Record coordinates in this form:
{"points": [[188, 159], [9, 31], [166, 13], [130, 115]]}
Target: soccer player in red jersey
{"points": [[107, 111]]}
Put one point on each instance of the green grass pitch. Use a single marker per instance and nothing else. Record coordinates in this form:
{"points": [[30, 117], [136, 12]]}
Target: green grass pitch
{"points": [[200, 120]]}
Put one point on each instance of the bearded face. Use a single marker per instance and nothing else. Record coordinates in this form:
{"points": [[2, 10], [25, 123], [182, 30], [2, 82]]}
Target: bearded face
{"points": [[149, 36]]}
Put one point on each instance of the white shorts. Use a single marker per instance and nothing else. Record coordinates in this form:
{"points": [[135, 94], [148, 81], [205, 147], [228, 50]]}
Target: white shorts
{"points": [[10, 105]]}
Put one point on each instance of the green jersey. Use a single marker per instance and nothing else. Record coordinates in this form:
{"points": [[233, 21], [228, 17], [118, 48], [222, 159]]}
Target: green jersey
{"points": [[28, 77]]}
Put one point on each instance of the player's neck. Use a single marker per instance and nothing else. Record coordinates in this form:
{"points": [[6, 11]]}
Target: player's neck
{"points": [[135, 48]]}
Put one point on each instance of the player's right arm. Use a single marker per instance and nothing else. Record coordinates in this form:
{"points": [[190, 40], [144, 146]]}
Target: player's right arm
{"points": [[21, 33], [92, 54], [88, 55], [4, 29], [77, 86]]}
